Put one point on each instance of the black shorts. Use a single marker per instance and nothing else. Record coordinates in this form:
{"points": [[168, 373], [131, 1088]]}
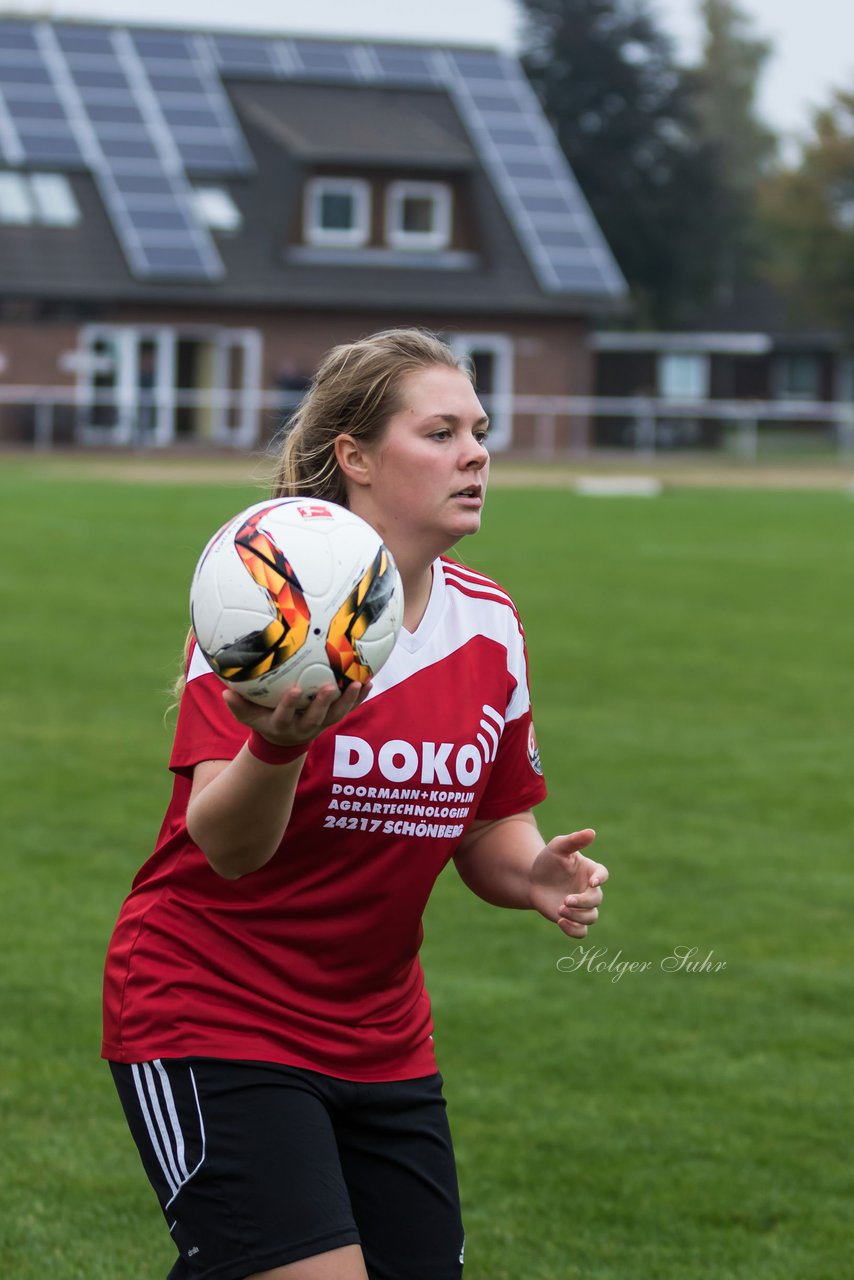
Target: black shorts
{"points": [[258, 1165]]}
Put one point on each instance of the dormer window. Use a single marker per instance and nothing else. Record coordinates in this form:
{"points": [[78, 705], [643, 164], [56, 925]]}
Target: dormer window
{"points": [[418, 215], [337, 212]]}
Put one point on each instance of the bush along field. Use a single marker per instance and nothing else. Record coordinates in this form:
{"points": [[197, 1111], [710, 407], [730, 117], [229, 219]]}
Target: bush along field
{"points": [[667, 1100]]}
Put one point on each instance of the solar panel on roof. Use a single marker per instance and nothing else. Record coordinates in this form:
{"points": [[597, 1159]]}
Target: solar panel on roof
{"points": [[15, 35], [83, 39], [114, 113], [173, 261], [24, 73], [579, 275], [479, 65], [35, 109], [400, 63], [192, 107], [20, 88], [239, 55], [139, 103], [562, 237], [528, 170], [544, 202], [532, 178], [181, 115], [91, 69], [517, 135], [100, 78], [128, 185], [154, 219], [34, 126], [130, 152], [323, 59], [489, 99], [205, 157], [177, 81], [155, 44], [10, 144], [51, 148]]}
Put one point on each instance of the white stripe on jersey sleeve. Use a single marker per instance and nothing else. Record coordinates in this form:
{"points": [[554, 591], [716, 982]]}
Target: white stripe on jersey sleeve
{"points": [[480, 585], [493, 733]]}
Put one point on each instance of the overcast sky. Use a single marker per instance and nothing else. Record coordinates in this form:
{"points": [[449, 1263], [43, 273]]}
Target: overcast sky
{"points": [[813, 39]]}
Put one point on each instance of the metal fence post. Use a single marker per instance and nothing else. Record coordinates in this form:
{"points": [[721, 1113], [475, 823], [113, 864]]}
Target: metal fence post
{"points": [[747, 439], [645, 429], [43, 424]]}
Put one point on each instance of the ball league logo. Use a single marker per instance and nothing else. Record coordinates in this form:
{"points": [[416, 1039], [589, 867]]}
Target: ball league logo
{"points": [[313, 510]]}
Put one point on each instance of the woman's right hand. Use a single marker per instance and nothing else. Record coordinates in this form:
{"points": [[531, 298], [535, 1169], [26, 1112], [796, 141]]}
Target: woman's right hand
{"points": [[288, 725]]}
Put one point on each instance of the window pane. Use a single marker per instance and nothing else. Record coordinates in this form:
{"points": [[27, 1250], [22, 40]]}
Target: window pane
{"points": [[16, 205], [216, 209], [418, 214], [799, 376], [337, 211], [683, 377], [54, 200]]}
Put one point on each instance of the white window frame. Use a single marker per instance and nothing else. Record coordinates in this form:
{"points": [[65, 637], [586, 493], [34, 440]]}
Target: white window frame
{"points": [[397, 236], [697, 387], [351, 237], [499, 405], [231, 423]]}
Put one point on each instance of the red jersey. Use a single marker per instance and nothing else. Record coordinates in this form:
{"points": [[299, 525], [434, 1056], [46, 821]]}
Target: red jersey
{"points": [[312, 960]]}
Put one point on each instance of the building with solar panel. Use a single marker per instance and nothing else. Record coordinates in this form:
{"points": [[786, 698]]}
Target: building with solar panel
{"points": [[188, 220]]}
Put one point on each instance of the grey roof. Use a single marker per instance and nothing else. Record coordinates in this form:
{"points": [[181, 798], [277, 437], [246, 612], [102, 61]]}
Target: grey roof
{"points": [[330, 124], [145, 112]]}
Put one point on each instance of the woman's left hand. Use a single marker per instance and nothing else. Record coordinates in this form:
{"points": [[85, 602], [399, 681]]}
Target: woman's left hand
{"points": [[566, 886]]}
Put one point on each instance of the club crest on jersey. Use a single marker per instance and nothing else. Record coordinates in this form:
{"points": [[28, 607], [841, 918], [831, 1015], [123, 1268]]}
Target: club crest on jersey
{"points": [[534, 752]]}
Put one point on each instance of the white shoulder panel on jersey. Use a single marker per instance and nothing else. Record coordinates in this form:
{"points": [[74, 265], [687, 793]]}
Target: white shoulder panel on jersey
{"points": [[470, 580], [199, 665], [477, 607]]}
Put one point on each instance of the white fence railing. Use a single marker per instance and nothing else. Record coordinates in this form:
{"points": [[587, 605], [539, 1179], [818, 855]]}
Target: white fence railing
{"points": [[540, 426]]}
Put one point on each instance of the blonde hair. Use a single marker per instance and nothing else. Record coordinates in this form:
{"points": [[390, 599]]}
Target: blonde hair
{"points": [[355, 391], [358, 387]]}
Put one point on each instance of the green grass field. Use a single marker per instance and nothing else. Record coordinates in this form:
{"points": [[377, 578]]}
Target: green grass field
{"points": [[690, 665]]}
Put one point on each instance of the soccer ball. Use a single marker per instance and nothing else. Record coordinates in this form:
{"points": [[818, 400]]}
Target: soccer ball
{"points": [[295, 591]]}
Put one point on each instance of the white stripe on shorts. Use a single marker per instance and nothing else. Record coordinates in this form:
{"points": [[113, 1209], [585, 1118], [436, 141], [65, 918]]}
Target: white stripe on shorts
{"points": [[167, 1141]]}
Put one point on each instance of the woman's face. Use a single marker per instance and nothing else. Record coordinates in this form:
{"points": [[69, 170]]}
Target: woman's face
{"points": [[426, 476]]}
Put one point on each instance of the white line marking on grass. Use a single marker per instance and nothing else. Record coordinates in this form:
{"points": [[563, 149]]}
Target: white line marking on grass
{"points": [[619, 486]]}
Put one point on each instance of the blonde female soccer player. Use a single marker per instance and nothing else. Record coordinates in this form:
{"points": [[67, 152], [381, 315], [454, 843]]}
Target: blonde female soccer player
{"points": [[266, 1018]]}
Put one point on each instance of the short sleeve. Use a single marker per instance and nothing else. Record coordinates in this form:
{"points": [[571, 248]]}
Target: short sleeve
{"points": [[206, 729]]}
